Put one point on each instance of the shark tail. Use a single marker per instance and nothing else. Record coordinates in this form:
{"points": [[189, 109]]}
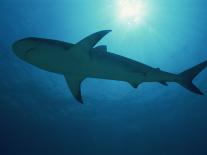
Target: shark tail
{"points": [[186, 78]]}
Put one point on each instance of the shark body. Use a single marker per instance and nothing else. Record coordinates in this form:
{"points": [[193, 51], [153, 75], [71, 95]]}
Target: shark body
{"points": [[81, 60]]}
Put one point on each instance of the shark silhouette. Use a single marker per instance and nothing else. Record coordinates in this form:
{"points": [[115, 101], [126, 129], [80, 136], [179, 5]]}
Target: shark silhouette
{"points": [[81, 60]]}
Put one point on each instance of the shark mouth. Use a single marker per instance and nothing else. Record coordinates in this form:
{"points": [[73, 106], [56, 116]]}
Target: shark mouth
{"points": [[29, 51]]}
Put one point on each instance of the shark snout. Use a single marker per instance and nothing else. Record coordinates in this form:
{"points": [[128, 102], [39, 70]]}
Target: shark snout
{"points": [[21, 47]]}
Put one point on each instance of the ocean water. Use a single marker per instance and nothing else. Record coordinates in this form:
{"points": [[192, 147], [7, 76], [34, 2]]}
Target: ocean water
{"points": [[38, 114]]}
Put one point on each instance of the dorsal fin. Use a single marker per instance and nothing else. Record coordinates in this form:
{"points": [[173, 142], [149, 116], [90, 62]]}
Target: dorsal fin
{"points": [[101, 48], [90, 41], [83, 47]]}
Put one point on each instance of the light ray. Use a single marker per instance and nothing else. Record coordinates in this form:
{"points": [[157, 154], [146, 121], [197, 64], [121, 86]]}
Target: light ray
{"points": [[131, 12]]}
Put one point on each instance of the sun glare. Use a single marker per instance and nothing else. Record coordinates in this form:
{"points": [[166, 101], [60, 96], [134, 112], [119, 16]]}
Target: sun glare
{"points": [[131, 12]]}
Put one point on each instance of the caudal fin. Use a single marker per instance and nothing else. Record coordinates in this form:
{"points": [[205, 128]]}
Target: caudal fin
{"points": [[186, 77]]}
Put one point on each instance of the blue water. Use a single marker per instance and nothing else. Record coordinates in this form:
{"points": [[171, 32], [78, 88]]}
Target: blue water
{"points": [[38, 114]]}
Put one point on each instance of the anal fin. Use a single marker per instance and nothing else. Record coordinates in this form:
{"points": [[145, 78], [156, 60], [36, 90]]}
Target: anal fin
{"points": [[135, 85], [163, 83]]}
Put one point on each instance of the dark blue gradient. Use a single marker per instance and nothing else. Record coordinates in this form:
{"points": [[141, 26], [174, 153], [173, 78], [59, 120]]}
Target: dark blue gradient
{"points": [[38, 114]]}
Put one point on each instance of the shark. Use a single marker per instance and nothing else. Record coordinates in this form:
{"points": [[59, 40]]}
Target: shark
{"points": [[86, 59]]}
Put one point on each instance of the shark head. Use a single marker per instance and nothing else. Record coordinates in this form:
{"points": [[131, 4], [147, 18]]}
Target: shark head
{"points": [[22, 47]]}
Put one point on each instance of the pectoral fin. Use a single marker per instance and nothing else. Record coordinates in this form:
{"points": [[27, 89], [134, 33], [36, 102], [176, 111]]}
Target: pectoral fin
{"points": [[74, 83]]}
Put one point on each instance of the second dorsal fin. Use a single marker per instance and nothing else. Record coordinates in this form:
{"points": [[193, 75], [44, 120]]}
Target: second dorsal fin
{"points": [[101, 48]]}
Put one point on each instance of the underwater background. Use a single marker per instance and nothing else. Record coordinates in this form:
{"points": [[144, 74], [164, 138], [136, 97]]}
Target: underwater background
{"points": [[38, 114]]}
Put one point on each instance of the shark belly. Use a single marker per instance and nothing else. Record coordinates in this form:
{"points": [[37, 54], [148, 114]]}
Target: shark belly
{"points": [[107, 67], [115, 67], [52, 59]]}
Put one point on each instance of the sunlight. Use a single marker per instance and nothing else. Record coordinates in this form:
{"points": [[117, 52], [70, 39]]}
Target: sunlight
{"points": [[131, 12]]}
